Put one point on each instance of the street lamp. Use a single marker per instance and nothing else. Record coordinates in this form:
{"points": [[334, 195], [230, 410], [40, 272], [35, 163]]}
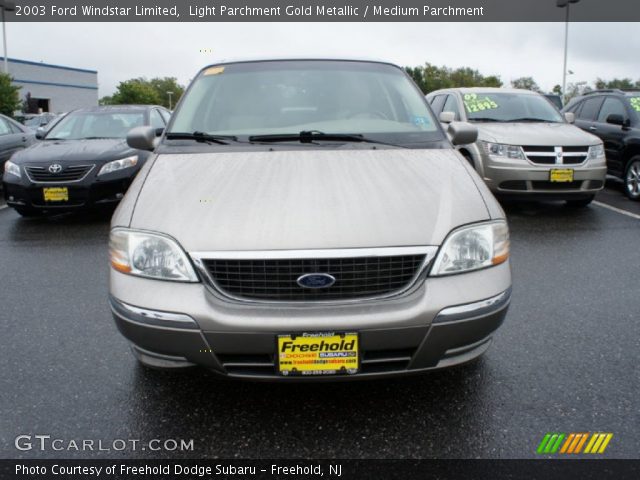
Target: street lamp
{"points": [[170, 103], [6, 6], [565, 4]]}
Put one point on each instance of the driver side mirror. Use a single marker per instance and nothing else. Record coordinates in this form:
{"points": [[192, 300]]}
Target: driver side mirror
{"points": [[462, 133], [447, 117], [616, 119], [570, 117], [40, 133], [142, 138]]}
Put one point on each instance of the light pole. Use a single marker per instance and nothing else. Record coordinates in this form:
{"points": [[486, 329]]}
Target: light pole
{"points": [[6, 6], [565, 4], [170, 102]]}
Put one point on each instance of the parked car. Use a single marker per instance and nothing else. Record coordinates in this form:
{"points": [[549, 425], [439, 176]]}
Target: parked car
{"points": [[525, 149], [307, 218], [614, 116], [35, 121], [82, 162], [13, 137]]}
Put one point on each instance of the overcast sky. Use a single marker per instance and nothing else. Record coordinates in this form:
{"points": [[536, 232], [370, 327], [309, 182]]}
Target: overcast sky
{"points": [[120, 51]]}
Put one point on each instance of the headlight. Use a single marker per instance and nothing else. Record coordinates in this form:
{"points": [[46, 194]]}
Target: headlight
{"points": [[472, 248], [507, 151], [12, 168], [596, 151], [149, 255], [119, 165]]}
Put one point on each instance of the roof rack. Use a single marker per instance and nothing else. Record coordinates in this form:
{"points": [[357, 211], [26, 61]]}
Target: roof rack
{"points": [[613, 90]]}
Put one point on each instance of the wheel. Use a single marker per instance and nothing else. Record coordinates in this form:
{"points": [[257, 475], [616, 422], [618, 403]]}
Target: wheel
{"points": [[28, 212], [583, 202], [632, 179]]}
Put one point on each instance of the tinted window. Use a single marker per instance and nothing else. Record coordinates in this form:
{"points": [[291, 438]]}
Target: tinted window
{"points": [[611, 106], [156, 119], [590, 108], [451, 105], [438, 103]]}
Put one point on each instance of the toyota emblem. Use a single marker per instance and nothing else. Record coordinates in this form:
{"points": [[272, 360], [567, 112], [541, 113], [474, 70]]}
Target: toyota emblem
{"points": [[55, 168]]}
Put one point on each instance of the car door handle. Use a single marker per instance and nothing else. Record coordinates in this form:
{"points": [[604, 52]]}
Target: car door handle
{"points": [[24, 139], [593, 129]]}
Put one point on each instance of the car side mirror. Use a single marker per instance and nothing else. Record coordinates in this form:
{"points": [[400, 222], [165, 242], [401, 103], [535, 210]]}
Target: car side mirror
{"points": [[142, 138], [159, 131], [40, 133], [462, 133], [447, 117], [615, 119], [570, 117]]}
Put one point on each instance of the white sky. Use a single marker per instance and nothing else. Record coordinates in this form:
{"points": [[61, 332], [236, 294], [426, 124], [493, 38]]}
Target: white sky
{"points": [[120, 51]]}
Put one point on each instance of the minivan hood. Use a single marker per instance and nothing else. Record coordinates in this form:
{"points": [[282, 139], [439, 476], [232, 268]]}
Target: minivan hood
{"points": [[75, 150], [308, 199], [530, 133]]}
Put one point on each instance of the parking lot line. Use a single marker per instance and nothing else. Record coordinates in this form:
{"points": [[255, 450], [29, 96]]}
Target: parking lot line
{"points": [[616, 209]]}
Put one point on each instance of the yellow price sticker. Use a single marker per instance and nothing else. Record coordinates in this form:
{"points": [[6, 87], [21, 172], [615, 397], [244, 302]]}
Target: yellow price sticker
{"points": [[473, 103], [635, 103]]}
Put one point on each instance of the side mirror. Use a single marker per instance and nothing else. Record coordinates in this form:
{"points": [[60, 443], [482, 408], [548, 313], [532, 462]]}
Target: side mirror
{"points": [[447, 117], [159, 131], [462, 133], [40, 133], [615, 119], [570, 117], [142, 138]]}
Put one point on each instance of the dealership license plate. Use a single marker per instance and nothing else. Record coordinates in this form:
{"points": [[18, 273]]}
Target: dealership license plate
{"points": [[561, 175], [56, 194], [326, 353]]}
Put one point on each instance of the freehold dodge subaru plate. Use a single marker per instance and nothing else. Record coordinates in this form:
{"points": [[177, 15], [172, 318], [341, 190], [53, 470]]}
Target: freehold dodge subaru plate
{"points": [[327, 353]]}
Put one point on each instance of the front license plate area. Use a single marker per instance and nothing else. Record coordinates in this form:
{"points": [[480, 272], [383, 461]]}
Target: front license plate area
{"points": [[323, 353], [55, 194], [561, 175]]}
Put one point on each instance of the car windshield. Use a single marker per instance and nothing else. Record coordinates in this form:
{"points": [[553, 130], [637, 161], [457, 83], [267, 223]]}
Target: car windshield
{"points": [[509, 107], [84, 125], [635, 103], [251, 99]]}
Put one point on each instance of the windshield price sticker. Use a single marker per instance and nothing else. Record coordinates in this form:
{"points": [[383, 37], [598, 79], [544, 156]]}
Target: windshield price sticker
{"points": [[473, 103], [635, 103]]}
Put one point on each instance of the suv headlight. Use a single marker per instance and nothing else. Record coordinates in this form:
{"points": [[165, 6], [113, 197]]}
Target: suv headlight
{"points": [[12, 168], [506, 151], [473, 247], [121, 164], [149, 255], [596, 151]]}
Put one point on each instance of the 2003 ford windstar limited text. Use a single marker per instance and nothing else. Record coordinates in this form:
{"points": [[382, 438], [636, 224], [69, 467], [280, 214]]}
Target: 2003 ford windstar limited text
{"points": [[307, 219]]}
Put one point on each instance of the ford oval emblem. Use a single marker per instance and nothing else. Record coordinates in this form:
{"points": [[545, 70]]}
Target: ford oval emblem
{"points": [[316, 280]]}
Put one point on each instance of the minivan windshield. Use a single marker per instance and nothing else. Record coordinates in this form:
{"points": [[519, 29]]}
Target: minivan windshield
{"points": [[285, 98], [509, 107], [89, 125]]}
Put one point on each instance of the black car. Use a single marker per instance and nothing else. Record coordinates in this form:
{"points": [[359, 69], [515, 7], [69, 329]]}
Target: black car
{"points": [[82, 162], [614, 116], [13, 137]]}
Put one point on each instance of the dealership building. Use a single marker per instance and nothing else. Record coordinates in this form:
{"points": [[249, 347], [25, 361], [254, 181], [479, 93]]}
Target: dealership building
{"points": [[53, 88]]}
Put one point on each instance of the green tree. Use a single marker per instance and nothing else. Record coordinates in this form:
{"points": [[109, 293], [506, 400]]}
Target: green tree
{"points": [[431, 77], [617, 83], [9, 96], [576, 89], [164, 85], [135, 91], [557, 90], [527, 83]]}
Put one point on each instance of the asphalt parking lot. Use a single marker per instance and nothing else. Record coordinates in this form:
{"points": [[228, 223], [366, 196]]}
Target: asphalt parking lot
{"points": [[566, 359]]}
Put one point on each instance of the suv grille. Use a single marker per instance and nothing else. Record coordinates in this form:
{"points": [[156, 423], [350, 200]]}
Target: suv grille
{"points": [[68, 174], [545, 155], [276, 279]]}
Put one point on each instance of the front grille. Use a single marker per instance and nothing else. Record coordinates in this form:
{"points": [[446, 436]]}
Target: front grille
{"points": [[545, 185], [276, 279], [71, 173], [545, 155]]}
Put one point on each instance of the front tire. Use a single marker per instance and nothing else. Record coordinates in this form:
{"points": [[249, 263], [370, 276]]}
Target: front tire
{"points": [[632, 179], [583, 202]]}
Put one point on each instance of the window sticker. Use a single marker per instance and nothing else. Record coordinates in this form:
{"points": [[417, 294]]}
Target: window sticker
{"points": [[213, 71], [635, 103], [473, 103], [420, 121]]}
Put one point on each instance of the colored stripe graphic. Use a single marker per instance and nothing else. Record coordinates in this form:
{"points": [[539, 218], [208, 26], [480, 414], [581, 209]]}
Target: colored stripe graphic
{"points": [[573, 443]]}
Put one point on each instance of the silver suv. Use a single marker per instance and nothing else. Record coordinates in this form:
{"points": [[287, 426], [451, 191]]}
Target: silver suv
{"points": [[525, 147], [307, 219]]}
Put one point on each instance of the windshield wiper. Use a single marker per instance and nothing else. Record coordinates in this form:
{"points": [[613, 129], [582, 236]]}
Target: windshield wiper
{"points": [[202, 137], [484, 119], [310, 136], [529, 119]]}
